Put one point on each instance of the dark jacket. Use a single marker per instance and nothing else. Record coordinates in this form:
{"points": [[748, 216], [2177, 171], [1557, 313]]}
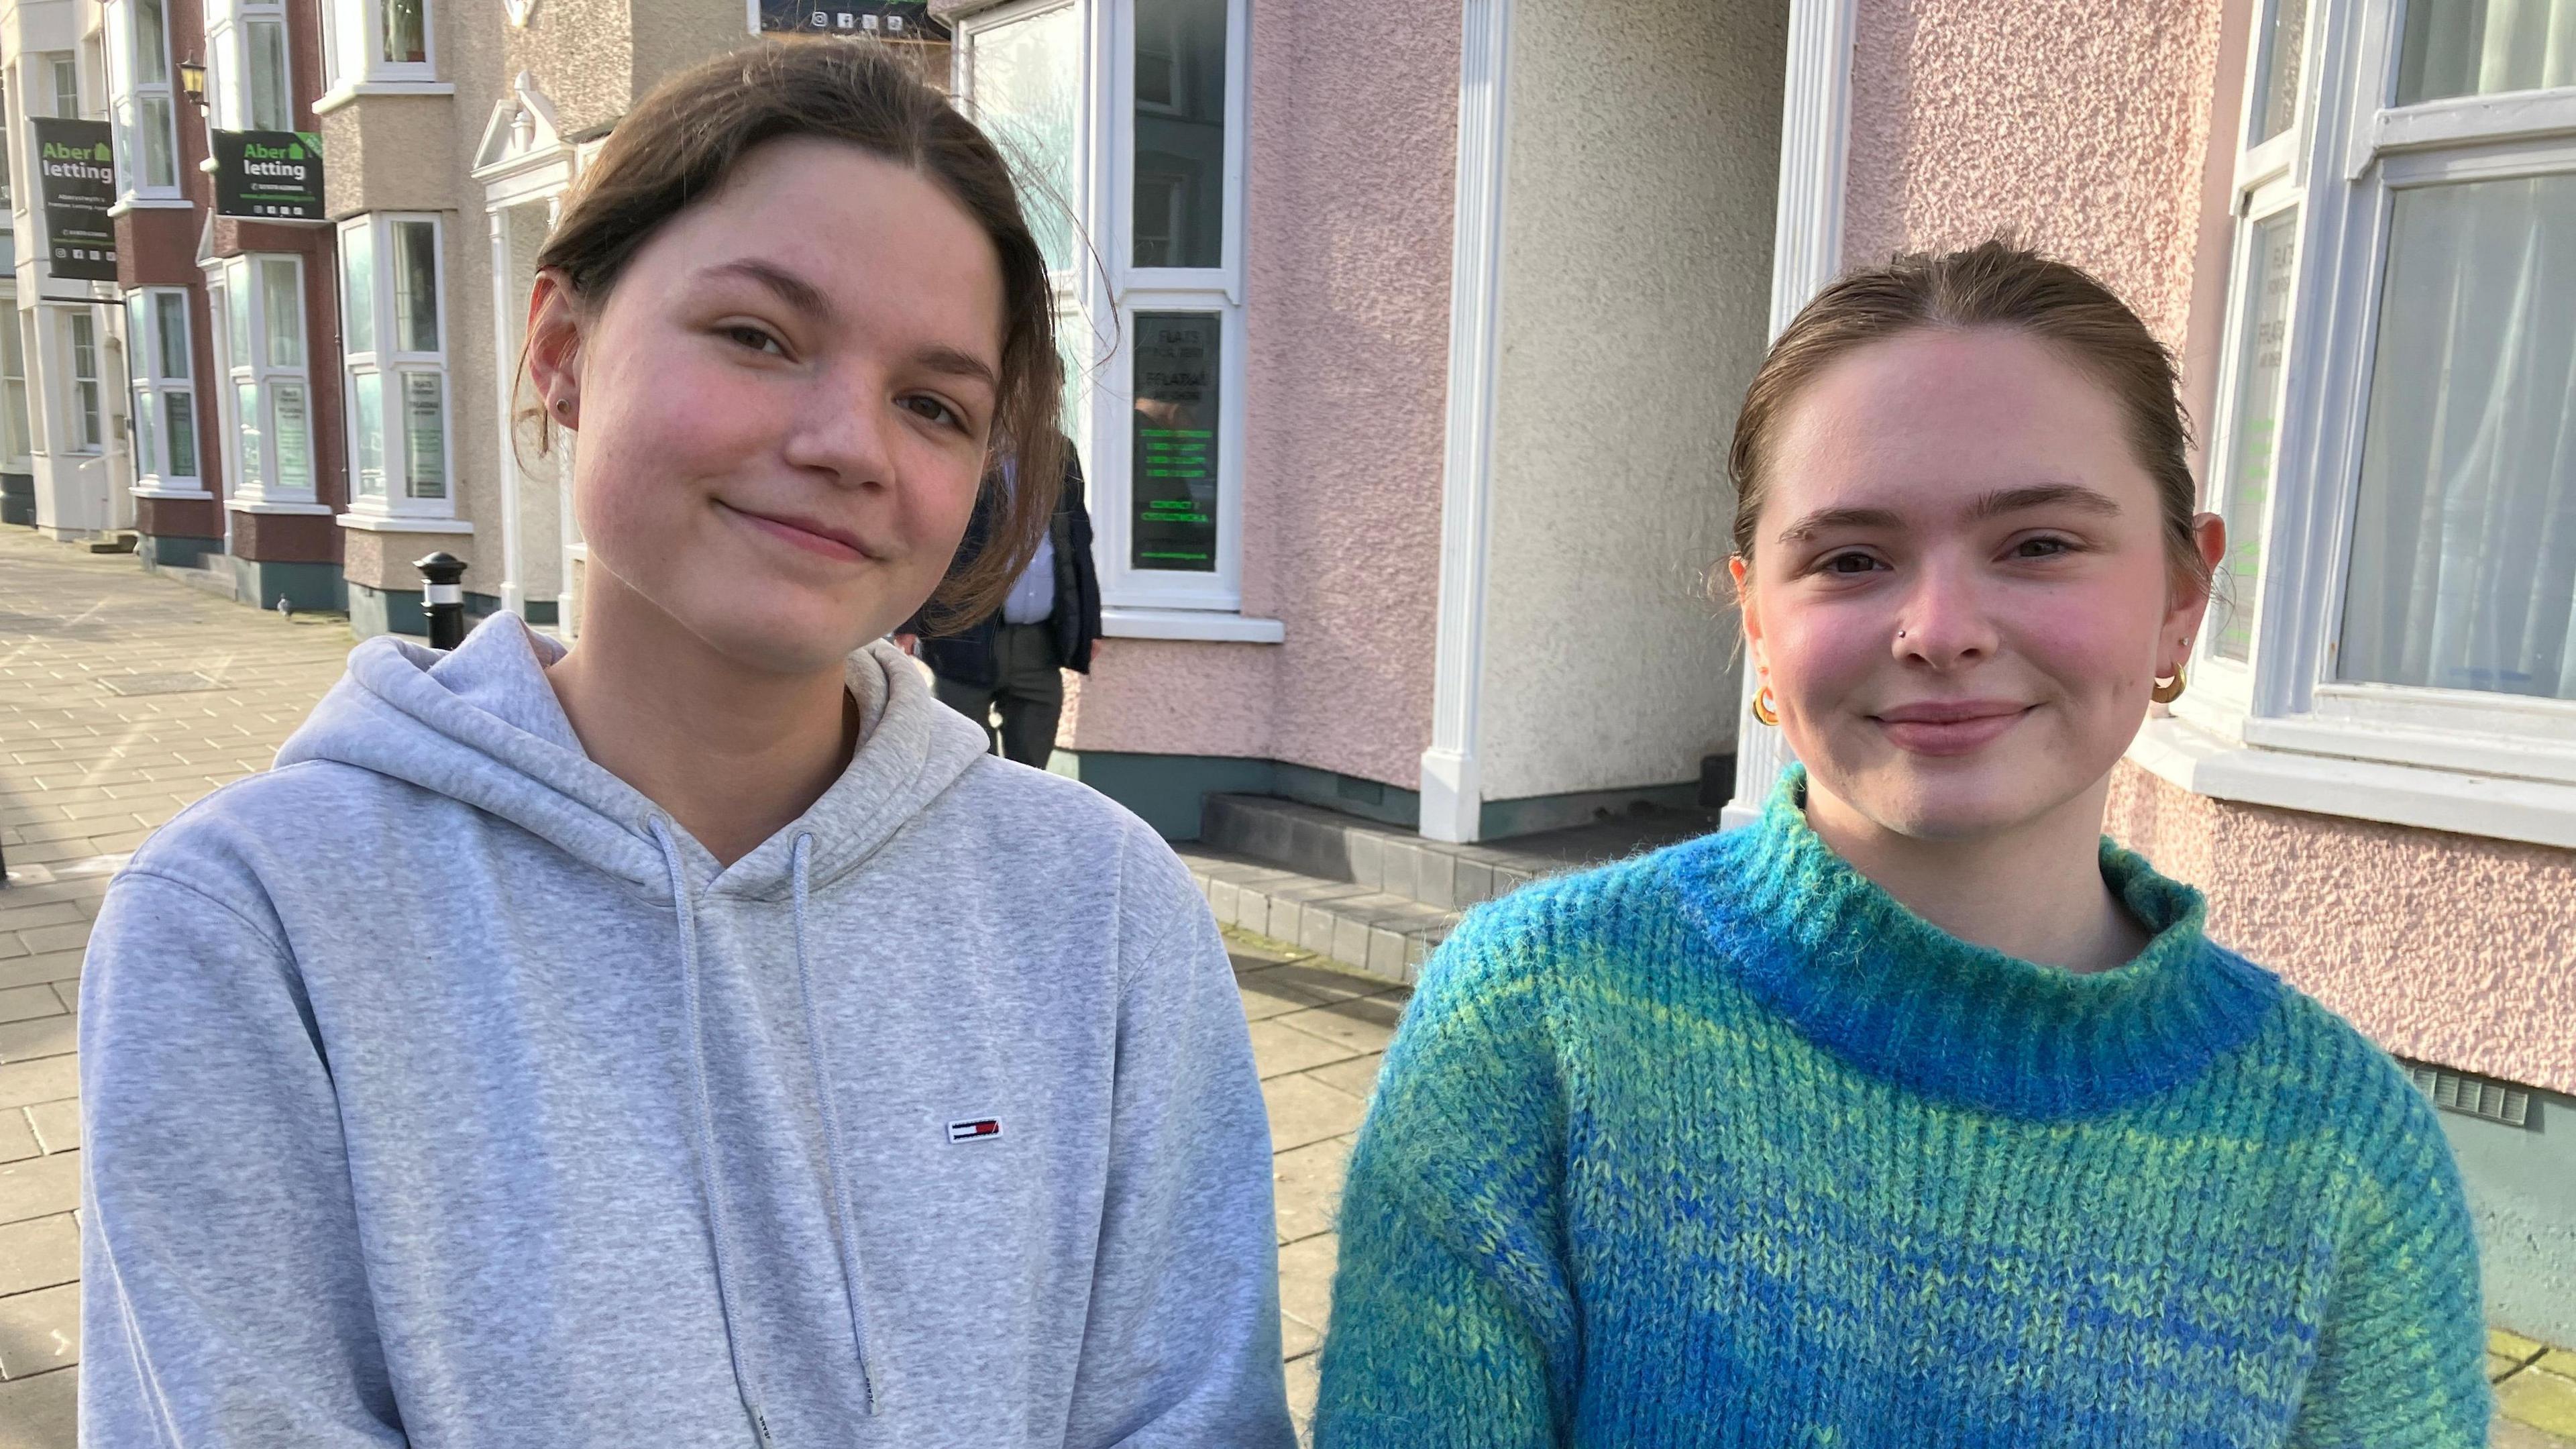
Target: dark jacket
{"points": [[966, 654]]}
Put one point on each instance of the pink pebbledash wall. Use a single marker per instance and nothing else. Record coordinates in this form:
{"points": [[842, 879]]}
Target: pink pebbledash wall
{"points": [[2078, 126], [2448, 948], [1354, 126], [2083, 127]]}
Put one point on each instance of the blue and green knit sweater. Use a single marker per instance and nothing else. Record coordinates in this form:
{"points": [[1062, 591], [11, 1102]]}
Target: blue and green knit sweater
{"points": [[1723, 1146]]}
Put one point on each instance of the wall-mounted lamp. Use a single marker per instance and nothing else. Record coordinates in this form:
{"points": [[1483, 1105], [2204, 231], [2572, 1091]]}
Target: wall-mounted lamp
{"points": [[192, 80]]}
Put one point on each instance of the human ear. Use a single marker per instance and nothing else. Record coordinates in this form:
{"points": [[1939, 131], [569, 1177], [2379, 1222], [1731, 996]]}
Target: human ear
{"points": [[2188, 601], [1739, 573], [557, 323]]}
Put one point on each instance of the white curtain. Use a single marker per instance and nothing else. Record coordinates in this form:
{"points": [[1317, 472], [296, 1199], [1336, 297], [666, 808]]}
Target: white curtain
{"points": [[2464, 543], [2481, 47]]}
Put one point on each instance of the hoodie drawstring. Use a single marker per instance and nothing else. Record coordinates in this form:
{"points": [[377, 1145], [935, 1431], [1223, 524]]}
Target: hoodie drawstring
{"points": [[844, 1212], [745, 1375]]}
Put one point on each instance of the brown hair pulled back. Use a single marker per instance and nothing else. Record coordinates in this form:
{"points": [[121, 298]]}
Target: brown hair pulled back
{"points": [[1994, 284], [682, 142]]}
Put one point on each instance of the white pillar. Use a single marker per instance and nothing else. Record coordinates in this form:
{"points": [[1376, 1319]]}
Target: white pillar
{"points": [[1452, 799], [1806, 252]]}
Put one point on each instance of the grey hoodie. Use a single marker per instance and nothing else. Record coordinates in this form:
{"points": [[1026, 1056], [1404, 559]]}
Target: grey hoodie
{"points": [[440, 1090]]}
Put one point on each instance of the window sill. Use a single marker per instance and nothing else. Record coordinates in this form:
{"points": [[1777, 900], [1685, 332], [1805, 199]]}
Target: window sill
{"points": [[125, 204], [163, 490], [350, 91], [262, 505], [1201, 624], [2182, 754], [402, 523]]}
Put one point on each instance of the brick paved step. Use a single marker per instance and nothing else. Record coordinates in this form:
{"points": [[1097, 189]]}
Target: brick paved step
{"points": [[1378, 898], [1332, 846], [1385, 936]]}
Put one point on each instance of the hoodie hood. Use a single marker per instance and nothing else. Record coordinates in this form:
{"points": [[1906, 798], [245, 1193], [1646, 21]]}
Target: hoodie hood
{"points": [[481, 725]]}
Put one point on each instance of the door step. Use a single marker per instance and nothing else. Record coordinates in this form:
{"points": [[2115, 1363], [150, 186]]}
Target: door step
{"points": [[1377, 898]]}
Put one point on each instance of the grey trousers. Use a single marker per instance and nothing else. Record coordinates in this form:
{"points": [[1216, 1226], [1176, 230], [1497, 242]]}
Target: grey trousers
{"points": [[1029, 694]]}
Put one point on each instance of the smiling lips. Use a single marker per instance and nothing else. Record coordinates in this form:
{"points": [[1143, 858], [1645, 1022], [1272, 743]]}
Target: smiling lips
{"points": [[1949, 727], [805, 533]]}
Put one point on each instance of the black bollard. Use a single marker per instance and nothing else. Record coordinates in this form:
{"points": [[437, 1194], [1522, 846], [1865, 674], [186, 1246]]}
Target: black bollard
{"points": [[444, 598]]}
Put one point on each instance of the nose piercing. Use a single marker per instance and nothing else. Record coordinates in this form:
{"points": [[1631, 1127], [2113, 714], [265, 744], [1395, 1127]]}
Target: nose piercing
{"points": [[1900, 633]]}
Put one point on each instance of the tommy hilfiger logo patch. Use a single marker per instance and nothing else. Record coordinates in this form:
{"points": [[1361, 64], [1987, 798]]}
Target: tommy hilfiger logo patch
{"points": [[974, 1131]]}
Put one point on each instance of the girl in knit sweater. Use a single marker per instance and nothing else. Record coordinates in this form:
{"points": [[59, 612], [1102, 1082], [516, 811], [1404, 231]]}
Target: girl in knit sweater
{"points": [[1916, 1113]]}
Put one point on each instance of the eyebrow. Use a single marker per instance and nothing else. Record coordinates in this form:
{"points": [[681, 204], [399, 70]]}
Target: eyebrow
{"points": [[1989, 505], [792, 289], [958, 364]]}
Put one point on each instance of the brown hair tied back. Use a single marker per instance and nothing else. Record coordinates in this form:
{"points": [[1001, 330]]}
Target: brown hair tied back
{"points": [[1994, 284], [681, 143]]}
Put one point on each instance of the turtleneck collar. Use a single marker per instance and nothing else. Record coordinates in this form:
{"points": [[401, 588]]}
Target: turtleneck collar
{"points": [[1860, 975]]}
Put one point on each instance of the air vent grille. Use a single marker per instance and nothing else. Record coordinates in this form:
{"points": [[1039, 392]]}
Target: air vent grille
{"points": [[2473, 1096]]}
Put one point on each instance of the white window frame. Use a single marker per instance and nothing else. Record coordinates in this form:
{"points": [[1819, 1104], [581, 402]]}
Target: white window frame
{"points": [[261, 489], [2282, 729], [17, 419], [228, 61], [353, 44], [80, 418], [145, 313], [126, 95], [393, 363], [1102, 300]]}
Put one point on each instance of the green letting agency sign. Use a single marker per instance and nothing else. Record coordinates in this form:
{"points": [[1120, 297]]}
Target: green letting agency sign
{"points": [[268, 175], [76, 177]]}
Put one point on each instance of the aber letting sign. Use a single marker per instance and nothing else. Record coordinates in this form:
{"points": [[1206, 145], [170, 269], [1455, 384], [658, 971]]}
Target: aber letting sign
{"points": [[268, 175], [76, 177]]}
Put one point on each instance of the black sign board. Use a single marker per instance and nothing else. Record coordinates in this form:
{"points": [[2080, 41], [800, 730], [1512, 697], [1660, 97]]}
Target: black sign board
{"points": [[76, 176], [1175, 469], [273, 175], [900, 20]]}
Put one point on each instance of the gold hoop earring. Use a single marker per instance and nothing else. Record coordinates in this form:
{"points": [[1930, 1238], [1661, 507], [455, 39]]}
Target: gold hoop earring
{"points": [[1762, 709], [2168, 690]]}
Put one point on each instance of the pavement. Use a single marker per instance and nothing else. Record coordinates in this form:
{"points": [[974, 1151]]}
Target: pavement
{"points": [[124, 697]]}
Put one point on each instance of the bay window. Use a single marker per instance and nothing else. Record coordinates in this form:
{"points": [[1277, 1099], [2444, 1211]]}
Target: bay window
{"points": [[267, 386], [139, 93], [1126, 124], [377, 43], [165, 398], [249, 85], [395, 352], [2395, 445]]}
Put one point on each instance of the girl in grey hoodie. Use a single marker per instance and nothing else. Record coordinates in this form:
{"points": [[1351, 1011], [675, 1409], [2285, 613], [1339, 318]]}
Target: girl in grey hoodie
{"points": [[697, 1038]]}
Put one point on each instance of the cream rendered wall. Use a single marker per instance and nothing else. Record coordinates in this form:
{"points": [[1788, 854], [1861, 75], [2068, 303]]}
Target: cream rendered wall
{"points": [[1643, 159]]}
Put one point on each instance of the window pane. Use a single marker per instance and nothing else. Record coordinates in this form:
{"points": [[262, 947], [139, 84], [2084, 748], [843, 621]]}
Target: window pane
{"points": [[138, 324], [13, 380], [269, 89], [170, 334], [151, 44], [84, 333], [406, 31], [2254, 415], [246, 420], [237, 289], [415, 259], [1174, 493], [358, 286], [160, 163], [2479, 47], [147, 462], [2464, 542], [66, 88], [1025, 76], [282, 311], [368, 389], [1180, 133], [179, 414], [424, 436], [293, 435]]}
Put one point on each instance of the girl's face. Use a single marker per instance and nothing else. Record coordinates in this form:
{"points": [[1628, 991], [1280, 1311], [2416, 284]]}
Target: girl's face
{"points": [[1960, 593], [784, 404]]}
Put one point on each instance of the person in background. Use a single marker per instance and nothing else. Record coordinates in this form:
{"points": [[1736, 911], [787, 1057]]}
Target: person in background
{"points": [[1916, 1113], [1013, 658]]}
